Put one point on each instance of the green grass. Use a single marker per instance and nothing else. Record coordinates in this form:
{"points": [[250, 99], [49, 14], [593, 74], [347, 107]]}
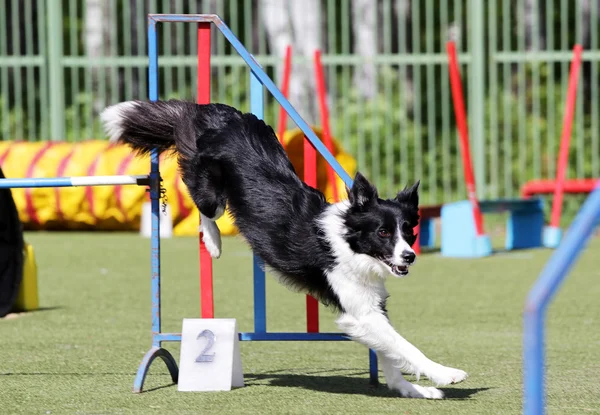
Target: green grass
{"points": [[80, 353]]}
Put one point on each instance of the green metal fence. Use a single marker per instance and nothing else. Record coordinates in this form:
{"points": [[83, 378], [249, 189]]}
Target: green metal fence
{"points": [[57, 73]]}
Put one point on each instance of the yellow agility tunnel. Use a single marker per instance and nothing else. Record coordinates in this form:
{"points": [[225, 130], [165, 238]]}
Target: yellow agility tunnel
{"points": [[120, 207]]}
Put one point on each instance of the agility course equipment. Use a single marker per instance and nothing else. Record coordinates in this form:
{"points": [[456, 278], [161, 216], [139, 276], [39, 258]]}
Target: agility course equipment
{"points": [[309, 154], [324, 110], [259, 80], [462, 221], [117, 207], [560, 185], [310, 164], [28, 297], [287, 69], [548, 187], [540, 295]]}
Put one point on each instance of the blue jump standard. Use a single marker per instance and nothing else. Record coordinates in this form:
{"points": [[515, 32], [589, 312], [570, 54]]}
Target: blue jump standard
{"points": [[540, 295], [258, 79]]}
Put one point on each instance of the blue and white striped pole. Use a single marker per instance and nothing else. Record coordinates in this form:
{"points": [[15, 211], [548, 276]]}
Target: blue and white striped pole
{"points": [[75, 181]]}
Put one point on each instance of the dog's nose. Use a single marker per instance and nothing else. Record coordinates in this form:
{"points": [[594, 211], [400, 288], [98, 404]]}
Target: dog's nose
{"points": [[408, 256]]}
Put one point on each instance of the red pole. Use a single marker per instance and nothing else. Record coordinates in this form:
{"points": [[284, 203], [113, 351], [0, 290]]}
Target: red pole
{"points": [[203, 97], [565, 138], [310, 178], [463, 130], [287, 68], [321, 91], [417, 230]]}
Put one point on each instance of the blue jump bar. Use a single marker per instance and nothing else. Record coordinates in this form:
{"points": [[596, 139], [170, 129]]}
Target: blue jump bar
{"points": [[540, 295], [176, 337], [41, 182], [292, 336]]}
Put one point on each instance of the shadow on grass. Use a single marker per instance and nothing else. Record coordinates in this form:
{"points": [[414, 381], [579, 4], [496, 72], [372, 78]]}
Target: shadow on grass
{"points": [[23, 313], [342, 383]]}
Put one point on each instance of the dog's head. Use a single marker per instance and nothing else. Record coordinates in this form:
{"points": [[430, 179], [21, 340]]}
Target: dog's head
{"points": [[382, 229]]}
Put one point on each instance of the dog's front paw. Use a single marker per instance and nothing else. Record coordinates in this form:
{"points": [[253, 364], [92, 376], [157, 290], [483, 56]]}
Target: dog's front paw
{"points": [[442, 375], [410, 390]]}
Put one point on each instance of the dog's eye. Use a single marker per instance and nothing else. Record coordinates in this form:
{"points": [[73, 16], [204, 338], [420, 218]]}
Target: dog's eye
{"points": [[383, 233]]}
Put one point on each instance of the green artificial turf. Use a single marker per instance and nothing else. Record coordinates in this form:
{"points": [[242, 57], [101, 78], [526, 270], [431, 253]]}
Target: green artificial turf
{"points": [[80, 352]]}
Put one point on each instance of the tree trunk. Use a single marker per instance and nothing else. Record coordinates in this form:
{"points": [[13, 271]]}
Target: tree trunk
{"points": [[402, 9], [365, 46], [97, 22], [295, 23], [534, 38]]}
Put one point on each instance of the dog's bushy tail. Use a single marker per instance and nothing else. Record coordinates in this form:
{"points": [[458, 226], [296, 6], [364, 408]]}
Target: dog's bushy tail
{"points": [[164, 125]]}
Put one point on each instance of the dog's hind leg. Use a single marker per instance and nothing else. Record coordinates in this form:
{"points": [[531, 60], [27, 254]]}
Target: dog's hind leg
{"points": [[211, 235], [209, 196]]}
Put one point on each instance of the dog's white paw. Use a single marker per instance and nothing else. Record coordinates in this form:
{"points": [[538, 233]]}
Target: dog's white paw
{"points": [[442, 375], [213, 245], [211, 236], [410, 390]]}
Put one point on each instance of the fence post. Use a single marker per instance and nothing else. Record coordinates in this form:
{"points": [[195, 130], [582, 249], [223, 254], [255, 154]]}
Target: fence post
{"points": [[477, 92], [55, 71]]}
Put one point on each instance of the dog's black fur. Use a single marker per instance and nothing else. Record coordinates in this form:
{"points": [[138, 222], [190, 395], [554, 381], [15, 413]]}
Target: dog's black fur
{"points": [[234, 158]]}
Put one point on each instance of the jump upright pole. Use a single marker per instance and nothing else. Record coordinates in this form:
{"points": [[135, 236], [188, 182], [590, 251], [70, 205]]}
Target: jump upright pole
{"points": [[157, 337], [203, 97], [463, 130], [287, 69], [544, 289], [552, 234], [310, 178], [258, 272], [324, 110]]}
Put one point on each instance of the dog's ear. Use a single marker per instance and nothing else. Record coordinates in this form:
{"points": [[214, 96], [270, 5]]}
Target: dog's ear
{"points": [[409, 196], [362, 192]]}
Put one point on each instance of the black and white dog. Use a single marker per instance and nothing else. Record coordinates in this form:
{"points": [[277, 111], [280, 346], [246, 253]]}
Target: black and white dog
{"points": [[339, 253]]}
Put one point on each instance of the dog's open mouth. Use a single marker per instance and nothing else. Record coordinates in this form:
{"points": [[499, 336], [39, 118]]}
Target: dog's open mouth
{"points": [[399, 270]]}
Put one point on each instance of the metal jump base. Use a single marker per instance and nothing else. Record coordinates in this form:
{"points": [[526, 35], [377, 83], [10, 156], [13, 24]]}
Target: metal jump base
{"points": [[259, 79]]}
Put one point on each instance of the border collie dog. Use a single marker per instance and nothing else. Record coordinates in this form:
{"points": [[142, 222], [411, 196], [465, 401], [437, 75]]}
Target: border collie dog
{"points": [[339, 253]]}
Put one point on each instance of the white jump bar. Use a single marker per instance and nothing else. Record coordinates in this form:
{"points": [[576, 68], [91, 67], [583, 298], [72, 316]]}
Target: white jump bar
{"points": [[75, 181]]}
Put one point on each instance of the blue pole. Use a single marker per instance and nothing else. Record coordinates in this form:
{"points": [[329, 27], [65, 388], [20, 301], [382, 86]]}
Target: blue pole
{"points": [[154, 188], [373, 369], [260, 290], [35, 182], [542, 293]]}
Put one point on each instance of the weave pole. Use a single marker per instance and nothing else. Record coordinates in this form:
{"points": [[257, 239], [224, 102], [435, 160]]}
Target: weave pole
{"points": [[463, 131], [207, 308], [565, 139]]}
